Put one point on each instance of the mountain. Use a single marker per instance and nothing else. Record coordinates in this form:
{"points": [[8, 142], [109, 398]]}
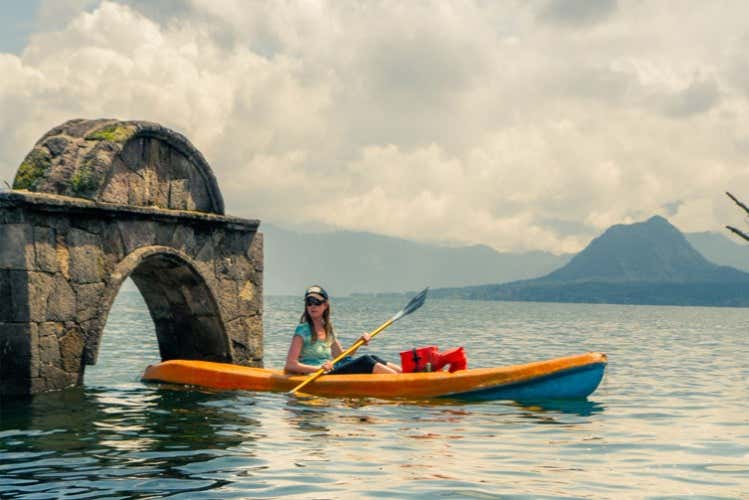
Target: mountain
{"points": [[347, 262], [649, 262], [650, 251]]}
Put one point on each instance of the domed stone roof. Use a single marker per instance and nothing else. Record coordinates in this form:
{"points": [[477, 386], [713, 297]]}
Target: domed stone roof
{"points": [[122, 162]]}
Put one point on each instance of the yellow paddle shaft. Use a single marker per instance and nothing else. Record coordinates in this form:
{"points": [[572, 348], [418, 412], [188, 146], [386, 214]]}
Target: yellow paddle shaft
{"points": [[345, 353]]}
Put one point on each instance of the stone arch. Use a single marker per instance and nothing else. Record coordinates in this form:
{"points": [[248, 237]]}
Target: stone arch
{"points": [[96, 201], [181, 303]]}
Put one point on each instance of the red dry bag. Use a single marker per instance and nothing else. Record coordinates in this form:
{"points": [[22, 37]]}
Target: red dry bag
{"points": [[429, 359]]}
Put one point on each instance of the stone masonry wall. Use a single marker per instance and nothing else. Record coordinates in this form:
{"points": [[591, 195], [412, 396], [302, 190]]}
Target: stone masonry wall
{"points": [[62, 261]]}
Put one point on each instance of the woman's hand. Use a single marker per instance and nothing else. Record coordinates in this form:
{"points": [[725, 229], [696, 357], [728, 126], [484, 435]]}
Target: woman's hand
{"points": [[365, 337], [327, 366]]}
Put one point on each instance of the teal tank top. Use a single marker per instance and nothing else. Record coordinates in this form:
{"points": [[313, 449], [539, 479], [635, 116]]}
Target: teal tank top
{"points": [[313, 353]]}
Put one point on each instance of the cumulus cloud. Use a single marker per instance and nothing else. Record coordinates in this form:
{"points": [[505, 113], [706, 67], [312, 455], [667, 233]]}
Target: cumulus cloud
{"points": [[577, 12], [455, 122]]}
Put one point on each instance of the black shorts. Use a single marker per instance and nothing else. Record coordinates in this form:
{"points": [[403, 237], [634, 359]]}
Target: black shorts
{"points": [[362, 364]]}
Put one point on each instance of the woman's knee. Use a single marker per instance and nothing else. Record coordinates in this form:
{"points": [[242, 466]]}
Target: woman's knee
{"points": [[380, 368]]}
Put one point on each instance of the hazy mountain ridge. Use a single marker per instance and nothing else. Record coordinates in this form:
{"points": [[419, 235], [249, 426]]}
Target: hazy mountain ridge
{"points": [[649, 262], [348, 262], [359, 262]]}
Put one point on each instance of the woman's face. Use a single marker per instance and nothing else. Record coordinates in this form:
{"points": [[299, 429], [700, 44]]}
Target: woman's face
{"points": [[315, 309]]}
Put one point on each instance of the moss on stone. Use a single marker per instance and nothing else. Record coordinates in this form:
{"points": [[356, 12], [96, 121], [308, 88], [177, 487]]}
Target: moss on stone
{"points": [[117, 132], [84, 181], [33, 168]]}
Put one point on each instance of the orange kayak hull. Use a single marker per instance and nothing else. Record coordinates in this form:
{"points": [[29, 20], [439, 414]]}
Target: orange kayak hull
{"points": [[570, 377]]}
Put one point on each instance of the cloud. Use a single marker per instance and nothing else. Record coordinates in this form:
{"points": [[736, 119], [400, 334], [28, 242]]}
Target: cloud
{"points": [[463, 122], [698, 97], [577, 12]]}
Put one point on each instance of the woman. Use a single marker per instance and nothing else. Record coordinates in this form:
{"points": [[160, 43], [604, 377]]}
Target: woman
{"points": [[314, 344]]}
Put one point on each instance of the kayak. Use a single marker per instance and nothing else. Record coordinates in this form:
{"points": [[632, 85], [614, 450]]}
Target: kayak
{"points": [[570, 377]]}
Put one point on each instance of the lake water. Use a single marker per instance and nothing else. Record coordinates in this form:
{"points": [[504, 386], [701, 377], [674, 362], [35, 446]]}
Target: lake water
{"points": [[670, 419]]}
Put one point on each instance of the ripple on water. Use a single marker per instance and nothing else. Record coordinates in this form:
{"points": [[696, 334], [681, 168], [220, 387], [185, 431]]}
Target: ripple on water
{"points": [[668, 419]]}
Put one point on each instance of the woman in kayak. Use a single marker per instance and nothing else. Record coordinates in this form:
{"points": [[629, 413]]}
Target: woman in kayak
{"points": [[314, 344]]}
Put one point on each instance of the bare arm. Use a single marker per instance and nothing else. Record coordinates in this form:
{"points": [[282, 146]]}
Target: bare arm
{"points": [[292, 358]]}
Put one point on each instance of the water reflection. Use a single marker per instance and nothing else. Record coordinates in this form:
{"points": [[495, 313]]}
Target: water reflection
{"points": [[308, 413], [581, 408], [94, 440]]}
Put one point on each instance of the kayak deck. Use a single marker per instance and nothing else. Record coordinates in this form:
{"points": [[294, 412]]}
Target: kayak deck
{"points": [[570, 377]]}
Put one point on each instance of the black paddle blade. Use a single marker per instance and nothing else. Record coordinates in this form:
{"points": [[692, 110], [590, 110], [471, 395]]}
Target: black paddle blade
{"points": [[414, 304]]}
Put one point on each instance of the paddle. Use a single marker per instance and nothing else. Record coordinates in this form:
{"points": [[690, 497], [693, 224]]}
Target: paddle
{"points": [[414, 304]]}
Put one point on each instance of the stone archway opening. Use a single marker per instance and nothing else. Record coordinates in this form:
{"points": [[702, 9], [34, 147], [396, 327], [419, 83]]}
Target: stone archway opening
{"points": [[128, 339], [185, 315], [169, 312]]}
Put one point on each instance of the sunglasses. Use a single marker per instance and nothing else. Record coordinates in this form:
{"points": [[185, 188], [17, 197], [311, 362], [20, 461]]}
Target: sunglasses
{"points": [[313, 301]]}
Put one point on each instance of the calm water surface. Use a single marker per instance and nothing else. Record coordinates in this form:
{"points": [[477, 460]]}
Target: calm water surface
{"points": [[671, 418]]}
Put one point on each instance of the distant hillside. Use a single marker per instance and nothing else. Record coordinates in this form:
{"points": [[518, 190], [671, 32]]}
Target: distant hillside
{"points": [[348, 262], [649, 262]]}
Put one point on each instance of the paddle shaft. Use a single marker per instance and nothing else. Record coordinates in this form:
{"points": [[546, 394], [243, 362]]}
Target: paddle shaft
{"points": [[345, 353]]}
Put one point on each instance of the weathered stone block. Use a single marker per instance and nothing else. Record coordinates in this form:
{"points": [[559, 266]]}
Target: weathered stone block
{"points": [[133, 154], [17, 246], [113, 246], [228, 298], [200, 198], [183, 239], [71, 350], [255, 252], [46, 251], [207, 251], [137, 234], [56, 145], [90, 225], [247, 340], [247, 292], [164, 233], [12, 216], [61, 304], [179, 194], [235, 267], [62, 255], [6, 297], [86, 258], [154, 296], [199, 301], [251, 297], [157, 189], [186, 170], [91, 331], [40, 286], [50, 328], [87, 300], [53, 378], [15, 350], [118, 187], [49, 349], [137, 190], [206, 339], [18, 283]]}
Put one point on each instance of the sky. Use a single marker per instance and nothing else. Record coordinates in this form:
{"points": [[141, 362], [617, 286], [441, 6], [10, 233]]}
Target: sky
{"points": [[521, 125]]}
